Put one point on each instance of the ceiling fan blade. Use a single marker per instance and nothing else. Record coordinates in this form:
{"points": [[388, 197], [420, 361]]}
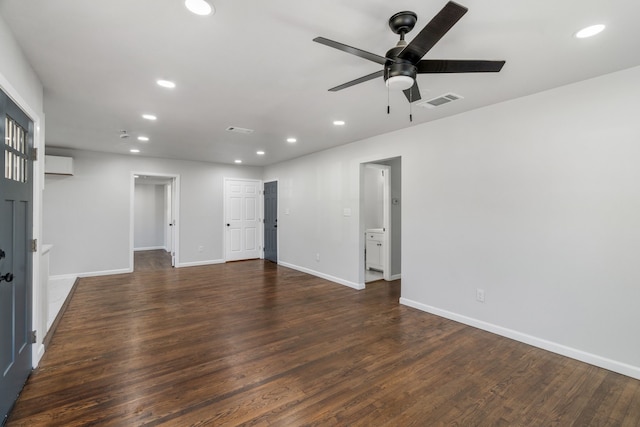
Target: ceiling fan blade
{"points": [[458, 66], [356, 81], [413, 93], [352, 50], [433, 32]]}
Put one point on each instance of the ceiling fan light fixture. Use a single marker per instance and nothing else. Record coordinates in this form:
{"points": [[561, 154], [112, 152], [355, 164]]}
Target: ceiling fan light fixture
{"points": [[399, 82], [199, 7]]}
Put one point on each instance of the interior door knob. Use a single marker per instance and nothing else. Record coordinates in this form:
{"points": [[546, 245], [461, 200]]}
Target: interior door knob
{"points": [[2, 254], [7, 277]]}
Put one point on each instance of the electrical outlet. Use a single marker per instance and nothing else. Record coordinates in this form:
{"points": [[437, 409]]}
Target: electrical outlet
{"points": [[318, 257], [480, 295], [200, 248]]}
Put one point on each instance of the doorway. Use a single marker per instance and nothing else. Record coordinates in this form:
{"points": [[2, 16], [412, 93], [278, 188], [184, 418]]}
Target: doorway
{"points": [[381, 219], [16, 259], [154, 223]]}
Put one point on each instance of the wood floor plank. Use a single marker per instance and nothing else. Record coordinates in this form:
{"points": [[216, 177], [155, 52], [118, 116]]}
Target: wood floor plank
{"points": [[256, 344]]}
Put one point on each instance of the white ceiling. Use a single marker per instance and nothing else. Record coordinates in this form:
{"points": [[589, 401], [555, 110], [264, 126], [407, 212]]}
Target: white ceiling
{"points": [[254, 65]]}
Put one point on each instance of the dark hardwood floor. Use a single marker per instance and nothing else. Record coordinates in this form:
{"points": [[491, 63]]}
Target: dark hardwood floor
{"points": [[151, 260], [253, 343]]}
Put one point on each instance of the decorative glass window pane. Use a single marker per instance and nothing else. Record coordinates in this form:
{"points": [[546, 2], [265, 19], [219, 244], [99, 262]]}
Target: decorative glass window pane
{"points": [[15, 151]]}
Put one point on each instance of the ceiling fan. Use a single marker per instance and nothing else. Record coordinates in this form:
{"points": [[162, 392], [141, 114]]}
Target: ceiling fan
{"points": [[404, 62]]}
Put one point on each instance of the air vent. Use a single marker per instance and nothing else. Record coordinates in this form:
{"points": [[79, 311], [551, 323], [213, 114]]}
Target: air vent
{"points": [[239, 130], [440, 100]]}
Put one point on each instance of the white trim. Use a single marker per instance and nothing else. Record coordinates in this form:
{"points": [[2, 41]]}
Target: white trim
{"points": [[105, 272], [63, 277], [573, 353], [334, 279], [199, 263], [38, 352], [150, 248], [395, 277]]}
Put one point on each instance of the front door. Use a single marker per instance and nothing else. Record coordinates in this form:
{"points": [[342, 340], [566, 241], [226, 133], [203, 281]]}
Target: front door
{"points": [[271, 221], [242, 222], [16, 189]]}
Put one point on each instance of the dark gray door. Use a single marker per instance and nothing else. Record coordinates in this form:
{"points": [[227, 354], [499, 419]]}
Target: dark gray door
{"points": [[15, 265], [271, 221]]}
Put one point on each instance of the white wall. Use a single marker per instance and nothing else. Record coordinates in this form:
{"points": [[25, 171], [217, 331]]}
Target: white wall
{"points": [[149, 216], [536, 201], [87, 216], [20, 82]]}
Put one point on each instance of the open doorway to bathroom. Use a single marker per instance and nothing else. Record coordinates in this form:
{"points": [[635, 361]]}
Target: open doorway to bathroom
{"points": [[381, 219]]}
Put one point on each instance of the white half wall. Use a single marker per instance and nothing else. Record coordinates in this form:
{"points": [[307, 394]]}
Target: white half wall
{"points": [[87, 215], [536, 201]]}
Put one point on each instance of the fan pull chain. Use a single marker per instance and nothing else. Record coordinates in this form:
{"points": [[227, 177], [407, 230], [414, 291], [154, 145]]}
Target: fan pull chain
{"points": [[388, 103], [410, 105]]}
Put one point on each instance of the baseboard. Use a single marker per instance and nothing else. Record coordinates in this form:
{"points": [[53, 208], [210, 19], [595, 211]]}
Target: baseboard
{"points": [[592, 359], [91, 274], [64, 277], [56, 321], [396, 276], [105, 272], [37, 356], [150, 248], [323, 276], [199, 263]]}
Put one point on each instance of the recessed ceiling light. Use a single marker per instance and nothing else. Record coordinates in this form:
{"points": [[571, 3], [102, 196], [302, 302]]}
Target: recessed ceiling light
{"points": [[166, 83], [136, 176], [134, 150], [260, 153], [338, 122], [590, 31], [149, 117], [238, 161], [292, 140], [199, 7], [143, 138]]}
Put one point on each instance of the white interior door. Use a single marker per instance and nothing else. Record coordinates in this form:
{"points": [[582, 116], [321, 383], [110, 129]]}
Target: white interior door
{"points": [[242, 219]]}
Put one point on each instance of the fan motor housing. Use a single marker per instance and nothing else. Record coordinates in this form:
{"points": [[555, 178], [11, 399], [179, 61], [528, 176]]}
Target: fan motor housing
{"points": [[398, 67]]}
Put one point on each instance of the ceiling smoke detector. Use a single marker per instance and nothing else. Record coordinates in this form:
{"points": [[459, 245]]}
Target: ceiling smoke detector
{"points": [[124, 134]]}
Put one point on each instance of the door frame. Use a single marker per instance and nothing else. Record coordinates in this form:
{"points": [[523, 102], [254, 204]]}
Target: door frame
{"points": [[39, 294], [175, 208], [260, 209]]}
